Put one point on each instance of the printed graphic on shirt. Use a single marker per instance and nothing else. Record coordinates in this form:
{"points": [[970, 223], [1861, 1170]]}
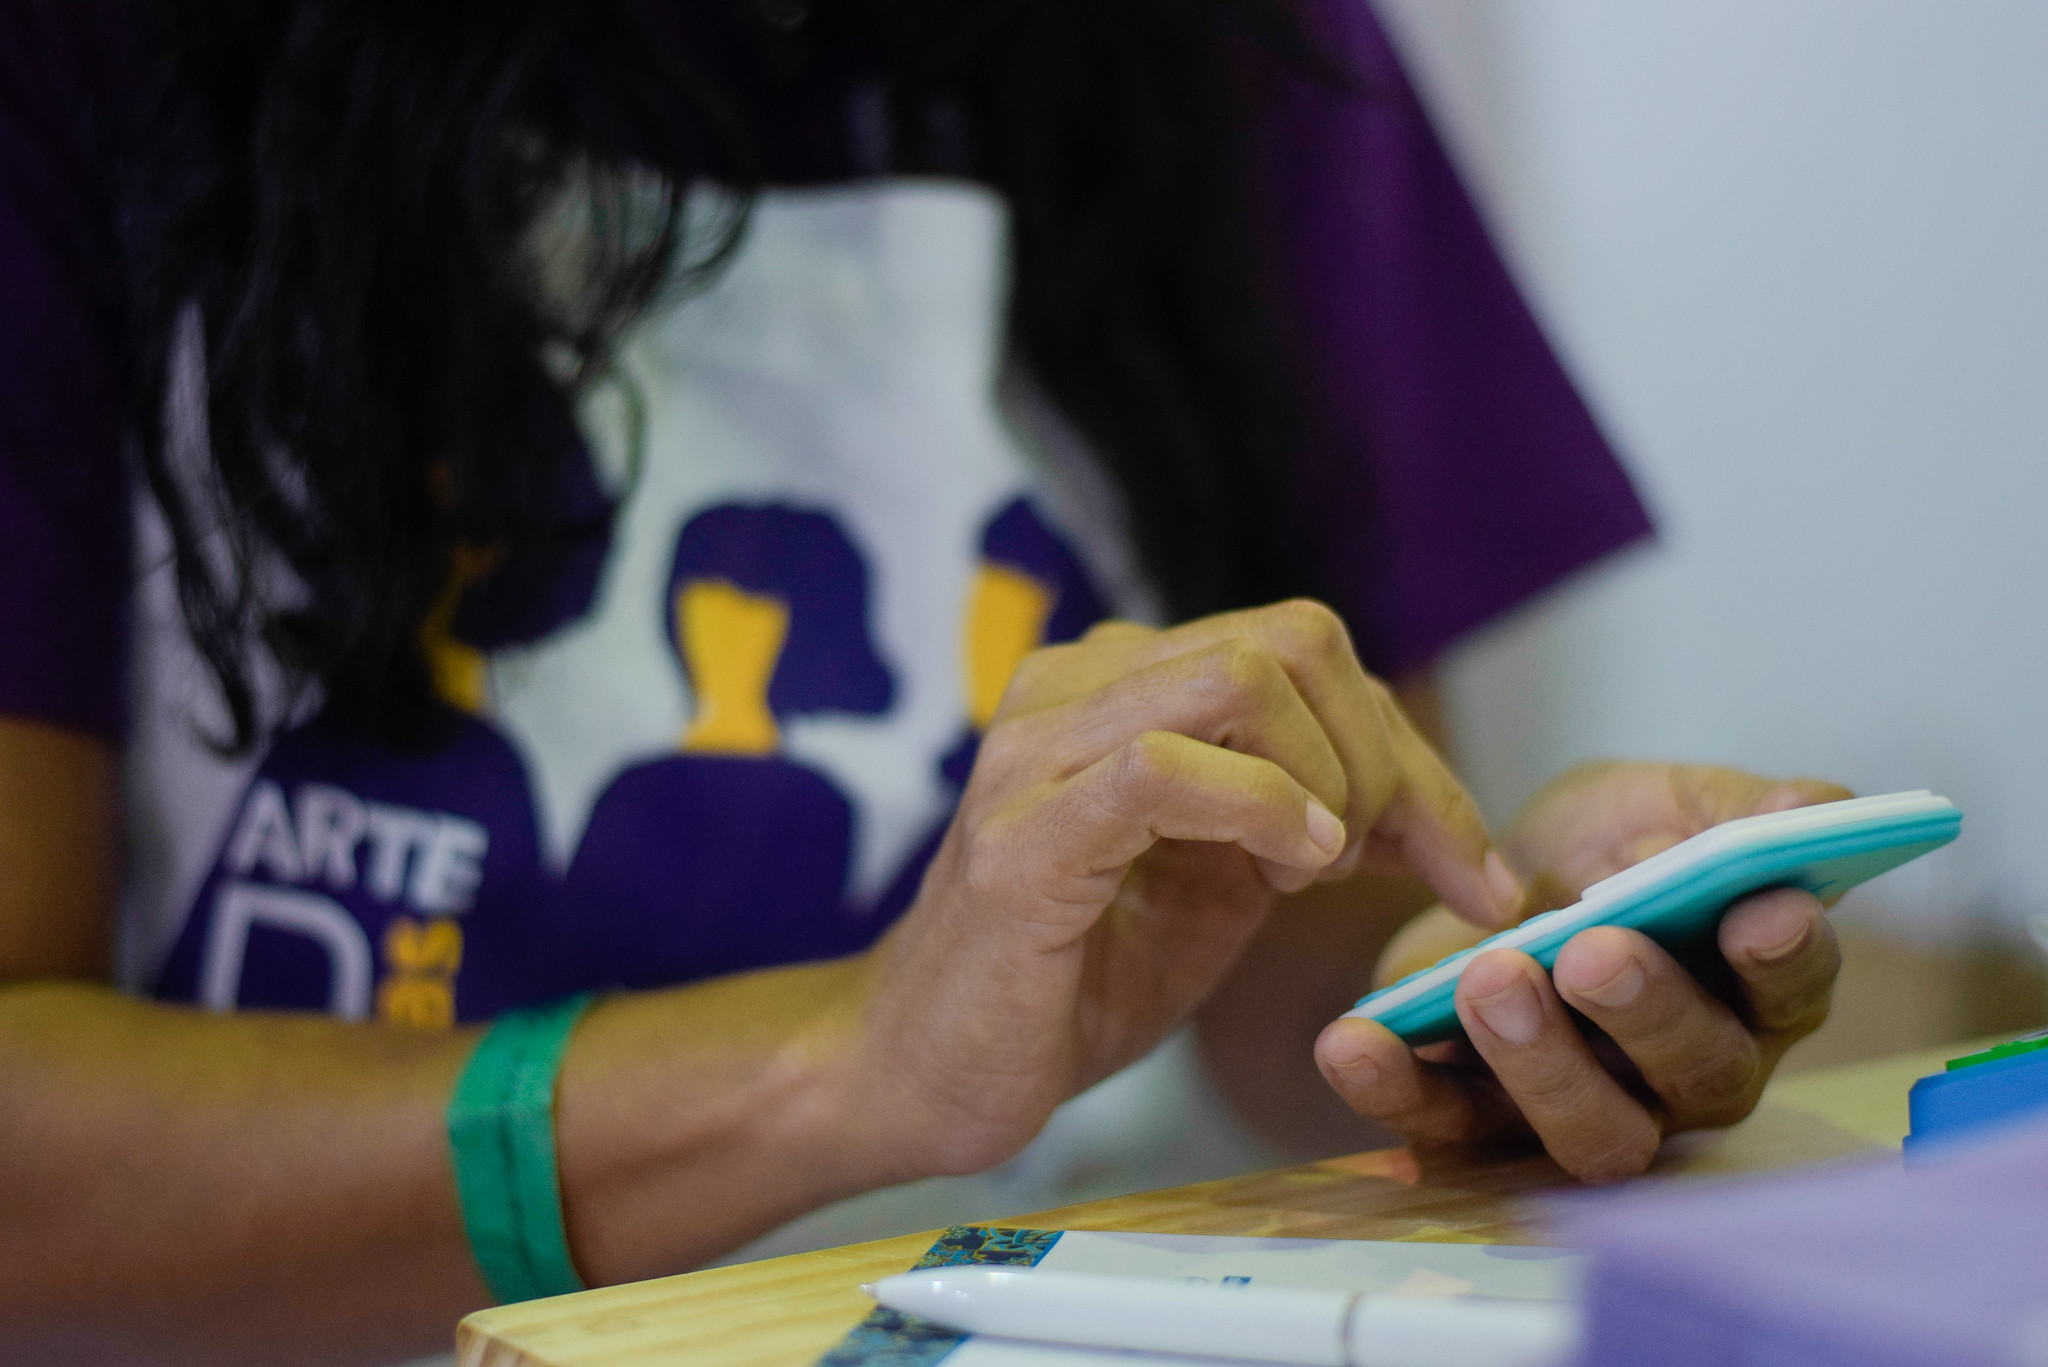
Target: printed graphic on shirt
{"points": [[721, 721], [359, 881], [1029, 590], [726, 854]]}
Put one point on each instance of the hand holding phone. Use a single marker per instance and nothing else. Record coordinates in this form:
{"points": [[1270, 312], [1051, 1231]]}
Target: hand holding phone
{"points": [[1679, 895]]}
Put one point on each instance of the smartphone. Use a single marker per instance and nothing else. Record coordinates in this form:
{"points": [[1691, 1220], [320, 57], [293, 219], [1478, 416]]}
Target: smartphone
{"points": [[1679, 896]]}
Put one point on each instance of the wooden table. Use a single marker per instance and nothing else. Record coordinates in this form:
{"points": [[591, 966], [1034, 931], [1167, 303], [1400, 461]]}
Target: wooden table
{"points": [[785, 1312]]}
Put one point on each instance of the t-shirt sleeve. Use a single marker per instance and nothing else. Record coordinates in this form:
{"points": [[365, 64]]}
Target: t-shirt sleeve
{"points": [[1450, 470], [64, 500]]}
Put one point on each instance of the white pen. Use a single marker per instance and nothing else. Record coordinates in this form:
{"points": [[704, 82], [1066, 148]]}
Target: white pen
{"points": [[1264, 1323]]}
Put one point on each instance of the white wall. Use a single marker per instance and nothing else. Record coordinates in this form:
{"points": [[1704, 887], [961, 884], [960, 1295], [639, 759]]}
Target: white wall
{"points": [[1797, 250]]}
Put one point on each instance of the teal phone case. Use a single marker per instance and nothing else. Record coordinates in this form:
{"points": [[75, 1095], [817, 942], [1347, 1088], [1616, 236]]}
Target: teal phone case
{"points": [[1681, 894]]}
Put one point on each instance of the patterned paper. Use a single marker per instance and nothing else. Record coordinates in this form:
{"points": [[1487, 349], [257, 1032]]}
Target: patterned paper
{"points": [[890, 1338]]}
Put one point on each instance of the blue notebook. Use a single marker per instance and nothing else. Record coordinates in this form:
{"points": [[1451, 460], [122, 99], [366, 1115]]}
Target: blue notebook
{"points": [[1680, 894]]}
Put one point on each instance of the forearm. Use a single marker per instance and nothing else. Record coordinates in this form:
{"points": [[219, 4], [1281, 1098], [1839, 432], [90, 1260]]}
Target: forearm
{"points": [[1257, 1032], [693, 1120], [256, 1187], [239, 1185]]}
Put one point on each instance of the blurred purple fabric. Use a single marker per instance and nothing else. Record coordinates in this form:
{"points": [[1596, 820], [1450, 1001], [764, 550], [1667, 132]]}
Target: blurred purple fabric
{"points": [[1857, 1266], [1453, 469], [64, 502]]}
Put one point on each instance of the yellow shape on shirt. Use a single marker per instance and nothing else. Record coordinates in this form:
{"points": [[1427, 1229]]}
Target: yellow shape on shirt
{"points": [[431, 947], [422, 1003], [459, 670], [459, 674], [1006, 615], [423, 959], [732, 640]]}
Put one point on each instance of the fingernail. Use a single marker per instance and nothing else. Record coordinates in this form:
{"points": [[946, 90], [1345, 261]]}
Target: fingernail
{"points": [[1358, 1070], [1513, 1013], [1501, 881], [1619, 990], [1346, 1051], [1786, 948], [1325, 829]]}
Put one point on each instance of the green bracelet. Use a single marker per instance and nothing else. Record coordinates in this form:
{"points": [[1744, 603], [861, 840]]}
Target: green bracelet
{"points": [[501, 1135]]}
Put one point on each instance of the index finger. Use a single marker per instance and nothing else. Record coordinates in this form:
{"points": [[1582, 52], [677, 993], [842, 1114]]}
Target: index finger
{"points": [[1431, 822], [1401, 798]]}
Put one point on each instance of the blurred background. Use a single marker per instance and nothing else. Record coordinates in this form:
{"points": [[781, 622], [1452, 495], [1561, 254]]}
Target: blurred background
{"points": [[1796, 253]]}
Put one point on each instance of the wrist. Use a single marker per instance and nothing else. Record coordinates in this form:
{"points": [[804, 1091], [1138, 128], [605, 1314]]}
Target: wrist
{"points": [[501, 1137], [694, 1120], [826, 1092]]}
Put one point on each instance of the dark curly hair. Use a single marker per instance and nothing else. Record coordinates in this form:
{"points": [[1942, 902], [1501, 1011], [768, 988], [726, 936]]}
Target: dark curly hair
{"points": [[345, 190]]}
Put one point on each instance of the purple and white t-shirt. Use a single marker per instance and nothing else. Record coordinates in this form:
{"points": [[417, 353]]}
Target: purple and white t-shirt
{"points": [[842, 521], [834, 544]]}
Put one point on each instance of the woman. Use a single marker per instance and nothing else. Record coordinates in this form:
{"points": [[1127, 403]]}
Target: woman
{"points": [[548, 587]]}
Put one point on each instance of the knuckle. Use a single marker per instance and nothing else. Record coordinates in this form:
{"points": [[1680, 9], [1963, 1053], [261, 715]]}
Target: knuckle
{"points": [[1001, 747], [1557, 1088], [987, 866], [1233, 674], [1011, 752], [1711, 1084], [1012, 861], [1660, 1020], [1799, 1019], [1381, 692], [1037, 668], [1313, 627], [1625, 1152], [1144, 769], [1803, 1005], [1443, 800], [1729, 1112]]}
